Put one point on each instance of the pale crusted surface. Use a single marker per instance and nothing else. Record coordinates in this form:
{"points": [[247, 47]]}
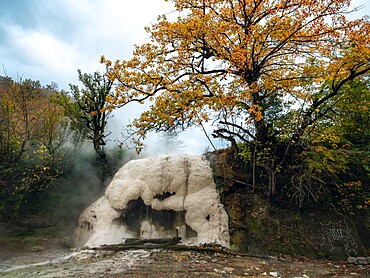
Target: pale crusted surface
{"points": [[188, 178], [164, 263]]}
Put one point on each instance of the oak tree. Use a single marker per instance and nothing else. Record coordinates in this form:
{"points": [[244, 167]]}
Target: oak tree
{"points": [[263, 71]]}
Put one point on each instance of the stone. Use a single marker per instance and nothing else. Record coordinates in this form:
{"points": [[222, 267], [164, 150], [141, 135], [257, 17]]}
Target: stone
{"points": [[362, 260], [179, 257], [352, 260], [37, 248], [229, 269], [274, 274]]}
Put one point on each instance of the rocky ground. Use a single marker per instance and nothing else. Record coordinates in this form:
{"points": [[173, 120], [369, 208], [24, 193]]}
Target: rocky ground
{"points": [[166, 263]]}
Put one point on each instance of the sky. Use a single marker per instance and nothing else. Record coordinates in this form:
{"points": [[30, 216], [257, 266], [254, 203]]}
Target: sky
{"points": [[48, 40]]}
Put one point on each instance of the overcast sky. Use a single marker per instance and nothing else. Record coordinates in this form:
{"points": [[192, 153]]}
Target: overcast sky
{"points": [[48, 40]]}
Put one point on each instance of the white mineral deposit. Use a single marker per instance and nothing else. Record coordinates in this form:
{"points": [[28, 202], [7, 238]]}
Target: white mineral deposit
{"points": [[156, 198]]}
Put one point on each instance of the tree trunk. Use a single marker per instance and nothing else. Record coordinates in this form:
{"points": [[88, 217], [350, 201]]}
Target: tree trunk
{"points": [[266, 145]]}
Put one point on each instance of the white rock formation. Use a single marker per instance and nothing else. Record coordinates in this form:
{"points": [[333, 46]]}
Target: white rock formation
{"points": [[153, 198]]}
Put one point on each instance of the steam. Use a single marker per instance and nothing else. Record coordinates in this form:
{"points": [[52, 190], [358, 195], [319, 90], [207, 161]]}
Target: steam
{"points": [[81, 184], [190, 141]]}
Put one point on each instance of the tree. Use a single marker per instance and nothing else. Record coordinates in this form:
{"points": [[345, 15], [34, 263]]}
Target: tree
{"points": [[352, 113], [32, 131], [6, 109], [86, 109], [22, 100], [264, 71], [168, 142]]}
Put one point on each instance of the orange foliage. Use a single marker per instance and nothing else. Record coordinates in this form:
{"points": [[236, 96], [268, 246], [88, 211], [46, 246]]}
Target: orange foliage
{"points": [[236, 56]]}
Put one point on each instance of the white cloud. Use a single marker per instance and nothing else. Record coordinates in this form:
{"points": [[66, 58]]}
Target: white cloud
{"points": [[44, 50], [40, 55], [71, 35]]}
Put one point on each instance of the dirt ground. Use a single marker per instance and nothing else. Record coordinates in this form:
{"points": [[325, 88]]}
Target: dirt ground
{"points": [[166, 263]]}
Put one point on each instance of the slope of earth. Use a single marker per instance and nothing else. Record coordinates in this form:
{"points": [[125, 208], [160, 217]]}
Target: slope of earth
{"points": [[259, 225]]}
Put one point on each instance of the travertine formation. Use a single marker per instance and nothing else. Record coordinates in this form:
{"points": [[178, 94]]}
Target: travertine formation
{"points": [[154, 198]]}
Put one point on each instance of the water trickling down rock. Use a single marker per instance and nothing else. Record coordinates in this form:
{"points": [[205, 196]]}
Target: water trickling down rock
{"points": [[155, 198]]}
